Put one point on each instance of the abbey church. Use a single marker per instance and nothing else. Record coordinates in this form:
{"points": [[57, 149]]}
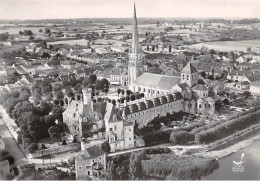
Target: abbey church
{"points": [[94, 123]]}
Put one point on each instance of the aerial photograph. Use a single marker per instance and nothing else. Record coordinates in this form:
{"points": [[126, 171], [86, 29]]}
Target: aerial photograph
{"points": [[124, 90]]}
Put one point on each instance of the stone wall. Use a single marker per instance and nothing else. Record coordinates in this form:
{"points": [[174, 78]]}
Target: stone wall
{"points": [[55, 150]]}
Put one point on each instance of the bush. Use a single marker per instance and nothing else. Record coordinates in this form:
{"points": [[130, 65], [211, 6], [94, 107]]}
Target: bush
{"points": [[181, 137], [5, 155], [105, 147], [32, 148], [161, 136], [225, 128]]}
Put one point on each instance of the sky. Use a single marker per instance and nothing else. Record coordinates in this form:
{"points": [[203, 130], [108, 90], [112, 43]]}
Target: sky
{"points": [[53, 9]]}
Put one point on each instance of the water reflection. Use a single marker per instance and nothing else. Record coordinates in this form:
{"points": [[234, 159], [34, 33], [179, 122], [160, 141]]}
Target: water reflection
{"points": [[251, 165]]}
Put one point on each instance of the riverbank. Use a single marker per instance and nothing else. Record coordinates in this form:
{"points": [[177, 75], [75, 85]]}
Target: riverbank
{"points": [[232, 149]]}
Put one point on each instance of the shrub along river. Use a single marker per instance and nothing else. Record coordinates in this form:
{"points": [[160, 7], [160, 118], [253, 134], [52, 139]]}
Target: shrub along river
{"points": [[251, 165]]}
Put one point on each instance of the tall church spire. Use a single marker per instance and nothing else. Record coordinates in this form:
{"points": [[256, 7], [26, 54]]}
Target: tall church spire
{"points": [[135, 40]]}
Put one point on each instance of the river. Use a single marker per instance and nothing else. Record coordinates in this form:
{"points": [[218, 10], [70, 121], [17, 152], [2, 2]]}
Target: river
{"points": [[251, 165]]}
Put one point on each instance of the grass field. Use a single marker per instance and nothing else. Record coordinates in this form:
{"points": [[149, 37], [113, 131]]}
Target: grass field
{"points": [[229, 45], [71, 42]]}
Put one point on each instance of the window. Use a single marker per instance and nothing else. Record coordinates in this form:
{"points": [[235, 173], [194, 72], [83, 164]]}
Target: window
{"points": [[199, 105], [88, 172], [187, 77], [144, 89], [115, 127], [80, 168], [129, 138]]}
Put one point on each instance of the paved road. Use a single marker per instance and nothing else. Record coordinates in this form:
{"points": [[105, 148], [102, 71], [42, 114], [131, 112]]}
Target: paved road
{"points": [[11, 145]]}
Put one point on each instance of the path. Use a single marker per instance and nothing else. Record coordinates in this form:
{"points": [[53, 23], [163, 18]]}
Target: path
{"points": [[11, 145]]}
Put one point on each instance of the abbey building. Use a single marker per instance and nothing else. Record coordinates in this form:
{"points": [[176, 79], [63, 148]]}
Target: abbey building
{"points": [[94, 123]]}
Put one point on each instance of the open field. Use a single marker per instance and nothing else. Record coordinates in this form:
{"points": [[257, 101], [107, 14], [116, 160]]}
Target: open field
{"points": [[71, 42], [15, 30], [229, 45]]}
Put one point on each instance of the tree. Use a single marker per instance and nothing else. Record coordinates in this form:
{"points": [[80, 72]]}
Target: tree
{"points": [[212, 51], [92, 79], [40, 30], [180, 137], [135, 165], [123, 92], [69, 92], [105, 90], [57, 87], [54, 132], [5, 155], [105, 147], [47, 31], [32, 148], [59, 95], [22, 107], [98, 85], [45, 55], [3, 36], [118, 91], [132, 97], [114, 102], [128, 92], [57, 113], [104, 83]]}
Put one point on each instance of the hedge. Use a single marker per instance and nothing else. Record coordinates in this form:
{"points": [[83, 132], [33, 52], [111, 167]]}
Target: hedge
{"points": [[157, 137], [228, 127]]}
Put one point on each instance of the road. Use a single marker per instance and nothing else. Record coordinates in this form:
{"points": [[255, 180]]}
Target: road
{"points": [[11, 145]]}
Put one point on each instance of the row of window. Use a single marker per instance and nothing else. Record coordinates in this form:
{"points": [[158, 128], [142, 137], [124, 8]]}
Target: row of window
{"points": [[148, 111]]}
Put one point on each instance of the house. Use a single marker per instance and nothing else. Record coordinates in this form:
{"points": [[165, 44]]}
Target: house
{"points": [[218, 88], [118, 76], [90, 164], [27, 80], [12, 87], [255, 88], [68, 64], [240, 60], [31, 48], [3, 72], [30, 69]]}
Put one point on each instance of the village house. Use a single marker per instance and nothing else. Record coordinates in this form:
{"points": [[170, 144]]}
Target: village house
{"points": [[90, 164], [3, 72], [68, 64]]}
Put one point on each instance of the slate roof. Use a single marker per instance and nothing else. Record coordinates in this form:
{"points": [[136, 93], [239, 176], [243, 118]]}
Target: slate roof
{"points": [[72, 108], [162, 82], [29, 79], [91, 153], [189, 68], [160, 100], [199, 87]]}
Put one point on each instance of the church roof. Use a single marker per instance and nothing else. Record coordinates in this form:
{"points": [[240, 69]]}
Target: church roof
{"points": [[183, 86], [189, 68], [162, 82], [199, 87], [135, 40]]}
